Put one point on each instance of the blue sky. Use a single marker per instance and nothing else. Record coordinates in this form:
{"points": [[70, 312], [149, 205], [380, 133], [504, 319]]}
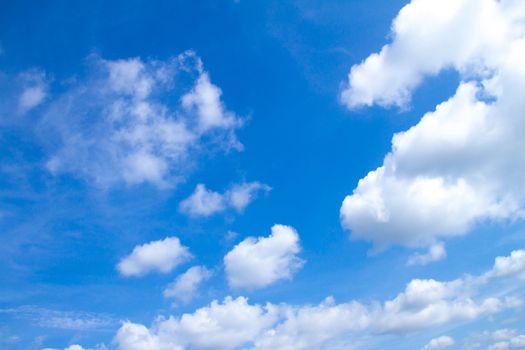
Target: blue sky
{"points": [[262, 175]]}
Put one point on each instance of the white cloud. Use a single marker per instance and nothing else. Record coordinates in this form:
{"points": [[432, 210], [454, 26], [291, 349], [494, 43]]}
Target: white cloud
{"points": [[423, 305], [456, 167], [205, 100], [74, 347], [512, 265], [185, 286], [118, 126], [314, 327], [439, 343], [225, 325], [510, 343], [162, 256], [203, 202], [241, 195], [64, 320], [436, 252], [34, 90], [259, 262]]}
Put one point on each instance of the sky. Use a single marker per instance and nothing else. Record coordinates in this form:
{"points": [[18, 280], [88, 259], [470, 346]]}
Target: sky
{"points": [[249, 174]]}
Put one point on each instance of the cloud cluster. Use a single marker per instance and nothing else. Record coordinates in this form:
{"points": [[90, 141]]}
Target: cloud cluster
{"points": [[161, 256], [235, 323], [132, 121], [501, 339], [258, 262], [510, 343], [459, 164], [203, 202]]}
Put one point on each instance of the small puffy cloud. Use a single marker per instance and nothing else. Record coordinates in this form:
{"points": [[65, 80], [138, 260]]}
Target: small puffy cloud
{"points": [[221, 326], [436, 252], [132, 121], [74, 347], [454, 168], [203, 202], [439, 343], [241, 195], [34, 90], [161, 256], [259, 262], [185, 286]]}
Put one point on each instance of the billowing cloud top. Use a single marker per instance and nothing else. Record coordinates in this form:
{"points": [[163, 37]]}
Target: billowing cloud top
{"points": [[458, 165]]}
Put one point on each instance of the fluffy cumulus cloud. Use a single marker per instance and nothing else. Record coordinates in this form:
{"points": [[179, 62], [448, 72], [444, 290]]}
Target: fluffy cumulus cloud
{"points": [[204, 202], [458, 165], [132, 121], [259, 262], [439, 343], [186, 285], [161, 256], [235, 323], [226, 325]]}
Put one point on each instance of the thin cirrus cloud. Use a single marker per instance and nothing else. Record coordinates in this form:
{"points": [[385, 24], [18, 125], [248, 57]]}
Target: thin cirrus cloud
{"points": [[258, 262], [457, 166], [185, 286], [204, 202], [61, 320], [156, 256], [116, 126], [423, 305]]}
